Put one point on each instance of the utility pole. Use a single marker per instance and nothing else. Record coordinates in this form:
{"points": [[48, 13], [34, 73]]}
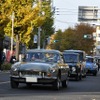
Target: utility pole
{"points": [[12, 35], [39, 28]]}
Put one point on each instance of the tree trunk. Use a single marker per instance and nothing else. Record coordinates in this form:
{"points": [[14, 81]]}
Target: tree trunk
{"points": [[1, 52]]}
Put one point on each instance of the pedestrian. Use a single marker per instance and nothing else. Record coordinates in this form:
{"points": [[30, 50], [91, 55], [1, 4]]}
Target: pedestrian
{"points": [[12, 59]]}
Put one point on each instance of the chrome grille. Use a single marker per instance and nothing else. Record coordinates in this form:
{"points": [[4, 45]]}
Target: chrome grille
{"points": [[37, 73]]}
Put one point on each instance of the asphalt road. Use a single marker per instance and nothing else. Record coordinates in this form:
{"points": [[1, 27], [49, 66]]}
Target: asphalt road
{"points": [[87, 89]]}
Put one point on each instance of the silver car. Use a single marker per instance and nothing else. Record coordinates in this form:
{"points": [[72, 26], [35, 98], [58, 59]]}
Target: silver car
{"points": [[40, 67]]}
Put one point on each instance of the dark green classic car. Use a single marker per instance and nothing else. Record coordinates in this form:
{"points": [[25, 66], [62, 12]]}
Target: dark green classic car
{"points": [[40, 67]]}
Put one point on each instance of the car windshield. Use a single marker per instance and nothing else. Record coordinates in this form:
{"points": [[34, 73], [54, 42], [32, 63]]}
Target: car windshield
{"points": [[81, 55], [89, 60], [41, 57], [69, 58]]}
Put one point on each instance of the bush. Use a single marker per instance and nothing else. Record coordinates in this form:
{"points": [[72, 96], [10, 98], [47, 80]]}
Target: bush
{"points": [[6, 66]]}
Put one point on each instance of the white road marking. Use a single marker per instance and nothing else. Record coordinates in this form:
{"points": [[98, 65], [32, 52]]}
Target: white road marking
{"points": [[4, 82]]}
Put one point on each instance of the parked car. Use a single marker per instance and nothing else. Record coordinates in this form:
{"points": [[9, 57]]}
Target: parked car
{"points": [[97, 58], [82, 57], [72, 59], [91, 66], [98, 63], [40, 67]]}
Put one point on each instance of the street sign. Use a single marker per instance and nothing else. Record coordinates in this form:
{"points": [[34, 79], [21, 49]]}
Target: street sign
{"points": [[35, 39]]}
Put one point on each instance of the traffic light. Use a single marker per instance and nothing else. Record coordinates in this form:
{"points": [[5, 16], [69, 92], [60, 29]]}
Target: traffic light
{"points": [[55, 41], [87, 36]]}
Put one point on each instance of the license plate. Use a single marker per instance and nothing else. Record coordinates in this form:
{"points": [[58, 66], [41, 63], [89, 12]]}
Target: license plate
{"points": [[31, 79]]}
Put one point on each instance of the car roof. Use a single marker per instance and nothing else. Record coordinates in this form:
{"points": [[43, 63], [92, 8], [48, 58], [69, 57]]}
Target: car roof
{"points": [[43, 50], [71, 50], [97, 57], [89, 57], [70, 53]]}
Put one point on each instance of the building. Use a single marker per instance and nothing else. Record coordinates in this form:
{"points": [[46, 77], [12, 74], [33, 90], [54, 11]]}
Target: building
{"points": [[97, 40], [87, 13]]}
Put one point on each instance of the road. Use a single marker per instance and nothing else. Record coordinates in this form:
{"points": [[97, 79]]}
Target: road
{"points": [[87, 89]]}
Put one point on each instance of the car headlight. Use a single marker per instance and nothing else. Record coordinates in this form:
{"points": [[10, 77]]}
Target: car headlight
{"points": [[14, 71], [94, 66], [52, 70], [73, 69]]}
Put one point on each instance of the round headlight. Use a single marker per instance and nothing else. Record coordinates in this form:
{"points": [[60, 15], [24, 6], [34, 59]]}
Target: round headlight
{"points": [[73, 69], [15, 69], [52, 70]]}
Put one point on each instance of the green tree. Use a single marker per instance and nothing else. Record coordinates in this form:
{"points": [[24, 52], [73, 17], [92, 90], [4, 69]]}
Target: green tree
{"points": [[68, 39], [47, 27], [73, 38], [82, 43], [56, 42], [26, 17]]}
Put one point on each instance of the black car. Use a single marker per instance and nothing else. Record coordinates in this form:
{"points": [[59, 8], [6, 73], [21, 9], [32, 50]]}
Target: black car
{"points": [[40, 67], [82, 59], [72, 59]]}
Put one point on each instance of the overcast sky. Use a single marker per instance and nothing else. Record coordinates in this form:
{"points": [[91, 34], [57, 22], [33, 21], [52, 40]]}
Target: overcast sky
{"points": [[68, 11]]}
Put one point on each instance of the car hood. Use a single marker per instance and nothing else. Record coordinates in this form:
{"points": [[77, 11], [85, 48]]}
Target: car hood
{"points": [[89, 65], [34, 66]]}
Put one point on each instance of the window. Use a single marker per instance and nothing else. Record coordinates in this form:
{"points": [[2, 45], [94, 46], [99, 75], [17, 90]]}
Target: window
{"points": [[98, 34], [98, 43]]}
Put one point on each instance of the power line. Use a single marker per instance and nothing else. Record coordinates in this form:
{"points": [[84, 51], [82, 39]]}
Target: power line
{"points": [[65, 11], [63, 21]]}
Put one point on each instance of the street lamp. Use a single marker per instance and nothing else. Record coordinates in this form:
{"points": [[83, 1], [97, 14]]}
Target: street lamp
{"points": [[12, 35]]}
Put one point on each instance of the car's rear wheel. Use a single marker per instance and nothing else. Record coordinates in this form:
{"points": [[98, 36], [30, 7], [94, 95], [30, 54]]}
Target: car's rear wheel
{"points": [[14, 84], [95, 74]]}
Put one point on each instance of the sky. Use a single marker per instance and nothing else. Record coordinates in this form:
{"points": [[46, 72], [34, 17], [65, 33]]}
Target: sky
{"points": [[68, 12]]}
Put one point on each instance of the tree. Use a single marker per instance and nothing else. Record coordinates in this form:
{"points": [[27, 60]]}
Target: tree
{"points": [[26, 17], [56, 40], [3, 22], [68, 41], [82, 43], [46, 27], [73, 38]]}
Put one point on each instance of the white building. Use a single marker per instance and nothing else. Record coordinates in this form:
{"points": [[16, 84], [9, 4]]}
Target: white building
{"points": [[97, 40]]}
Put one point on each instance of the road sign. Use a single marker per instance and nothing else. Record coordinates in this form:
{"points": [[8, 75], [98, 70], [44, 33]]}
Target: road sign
{"points": [[35, 38]]}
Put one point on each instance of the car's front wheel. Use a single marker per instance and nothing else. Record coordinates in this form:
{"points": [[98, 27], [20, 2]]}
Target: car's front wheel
{"points": [[77, 77], [56, 84], [14, 84], [65, 83]]}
